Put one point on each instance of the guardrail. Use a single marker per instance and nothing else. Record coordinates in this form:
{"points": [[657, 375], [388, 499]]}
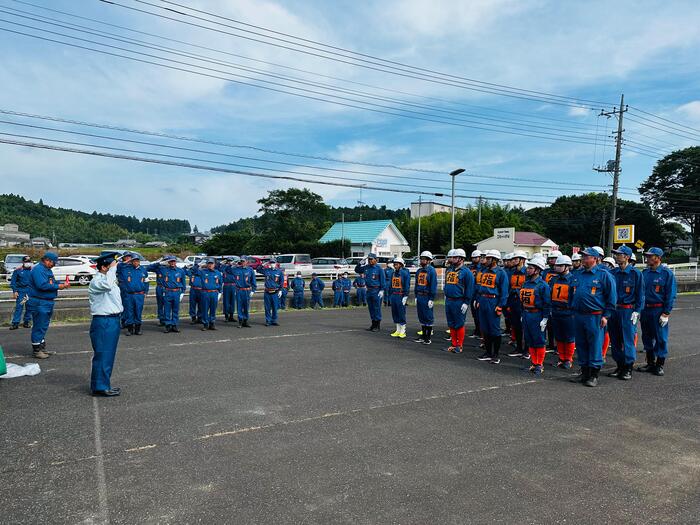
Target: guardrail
{"points": [[685, 270]]}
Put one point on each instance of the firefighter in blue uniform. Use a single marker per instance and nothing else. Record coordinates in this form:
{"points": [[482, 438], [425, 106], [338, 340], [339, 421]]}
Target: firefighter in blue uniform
{"points": [[388, 273], [316, 286], [274, 283], [195, 282], [212, 287], [400, 288], [475, 268], [659, 298], [623, 323], [346, 285], [360, 290], [173, 289], [576, 263], [282, 299], [492, 297], [297, 285], [425, 290], [124, 262], [43, 289], [337, 287], [229, 294], [19, 283], [159, 269], [376, 282], [134, 285], [593, 302], [547, 275], [459, 292], [245, 289], [516, 279], [562, 315], [535, 304]]}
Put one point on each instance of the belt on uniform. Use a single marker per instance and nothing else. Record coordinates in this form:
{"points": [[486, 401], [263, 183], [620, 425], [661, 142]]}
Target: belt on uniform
{"points": [[626, 306], [229, 284], [373, 287], [271, 290], [108, 315], [554, 305], [654, 305], [244, 288], [195, 287], [531, 309], [137, 293], [210, 291], [396, 293], [488, 295], [173, 289], [361, 286], [422, 293], [594, 312], [41, 298]]}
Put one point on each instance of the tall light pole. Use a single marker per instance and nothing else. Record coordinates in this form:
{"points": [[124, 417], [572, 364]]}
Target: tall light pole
{"points": [[420, 201], [453, 175]]}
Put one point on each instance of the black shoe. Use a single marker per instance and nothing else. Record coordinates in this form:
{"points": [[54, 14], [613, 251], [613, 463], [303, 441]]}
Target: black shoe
{"points": [[625, 374], [14, 327], [484, 357], [130, 329], [592, 380], [650, 366], [495, 361], [161, 323], [137, 330], [204, 327], [581, 376], [428, 342], [168, 328], [616, 372], [212, 326], [419, 339], [112, 392], [515, 353], [275, 324], [175, 329], [193, 321], [240, 323], [371, 328], [659, 368], [246, 324], [26, 324]]}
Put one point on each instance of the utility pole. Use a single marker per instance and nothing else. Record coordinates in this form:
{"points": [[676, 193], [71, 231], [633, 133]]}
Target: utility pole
{"points": [[342, 235], [419, 214], [479, 209], [615, 169]]}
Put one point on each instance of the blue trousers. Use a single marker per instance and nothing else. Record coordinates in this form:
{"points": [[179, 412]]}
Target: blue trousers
{"points": [[229, 299], [41, 310], [171, 308], [194, 309], [133, 307], [489, 322], [589, 340], [563, 326], [346, 298], [374, 305], [104, 336], [208, 301], [338, 298], [122, 317], [243, 301], [475, 316], [622, 332], [298, 300], [282, 301], [453, 312], [533, 334], [316, 299], [654, 337], [387, 296], [515, 313], [17, 315], [425, 314], [361, 296], [160, 303], [271, 306], [398, 310]]}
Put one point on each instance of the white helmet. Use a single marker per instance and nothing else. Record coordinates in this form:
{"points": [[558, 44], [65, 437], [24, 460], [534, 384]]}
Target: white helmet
{"points": [[476, 253], [633, 257], [519, 254], [493, 253], [564, 259], [537, 262], [452, 253], [576, 257], [611, 261], [554, 253], [508, 256], [599, 250], [426, 254], [399, 260]]}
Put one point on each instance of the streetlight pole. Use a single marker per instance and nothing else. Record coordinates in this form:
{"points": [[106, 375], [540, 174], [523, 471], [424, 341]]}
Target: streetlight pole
{"points": [[419, 214], [453, 174]]}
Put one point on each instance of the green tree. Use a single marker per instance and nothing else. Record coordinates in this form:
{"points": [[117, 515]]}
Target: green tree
{"points": [[673, 189]]}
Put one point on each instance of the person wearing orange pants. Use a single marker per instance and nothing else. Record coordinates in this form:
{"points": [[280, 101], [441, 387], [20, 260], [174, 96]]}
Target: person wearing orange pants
{"points": [[459, 290], [535, 299], [562, 315]]}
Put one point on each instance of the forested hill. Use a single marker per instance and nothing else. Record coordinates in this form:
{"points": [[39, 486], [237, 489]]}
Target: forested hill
{"points": [[68, 225]]}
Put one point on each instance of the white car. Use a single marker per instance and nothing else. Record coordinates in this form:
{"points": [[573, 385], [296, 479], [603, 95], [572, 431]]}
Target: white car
{"points": [[77, 268], [292, 263]]}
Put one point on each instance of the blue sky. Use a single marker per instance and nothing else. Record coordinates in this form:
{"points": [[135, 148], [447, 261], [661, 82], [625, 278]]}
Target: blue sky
{"points": [[587, 50]]}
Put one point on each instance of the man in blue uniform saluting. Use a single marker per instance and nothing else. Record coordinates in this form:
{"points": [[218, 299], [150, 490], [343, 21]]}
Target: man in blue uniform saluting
{"points": [[376, 282], [19, 283], [593, 302], [43, 289], [659, 297], [426, 290]]}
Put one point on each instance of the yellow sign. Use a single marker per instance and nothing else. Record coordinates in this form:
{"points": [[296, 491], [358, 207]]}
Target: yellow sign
{"points": [[624, 233], [639, 244]]}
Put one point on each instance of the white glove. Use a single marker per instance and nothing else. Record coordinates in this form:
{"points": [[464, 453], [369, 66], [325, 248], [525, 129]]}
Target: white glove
{"points": [[663, 320], [464, 308], [363, 262], [634, 317], [181, 296], [381, 294], [279, 294], [543, 324], [252, 292], [430, 304], [404, 301]]}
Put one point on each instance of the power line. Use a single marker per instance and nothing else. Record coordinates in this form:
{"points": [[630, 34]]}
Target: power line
{"points": [[657, 117], [668, 131]]}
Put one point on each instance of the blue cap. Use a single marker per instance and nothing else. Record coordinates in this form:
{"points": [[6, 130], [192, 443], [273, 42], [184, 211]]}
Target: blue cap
{"points": [[169, 258], [211, 260], [624, 250], [51, 256], [106, 259], [654, 251], [127, 253], [314, 274], [591, 251], [372, 255]]}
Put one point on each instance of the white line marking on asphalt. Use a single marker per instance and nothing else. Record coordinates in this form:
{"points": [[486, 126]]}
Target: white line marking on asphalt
{"points": [[139, 449], [100, 465]]}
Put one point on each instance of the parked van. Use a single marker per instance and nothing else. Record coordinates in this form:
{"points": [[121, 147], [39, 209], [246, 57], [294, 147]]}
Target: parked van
{"points": [[292, 263]]}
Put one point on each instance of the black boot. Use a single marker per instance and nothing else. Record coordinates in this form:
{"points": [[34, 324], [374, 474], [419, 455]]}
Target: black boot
{"points": [[204, 327], [168, 328], [659, 368], [592, 380], [378, 326], [618, 370], [374, 325], [212, 326], [626, 373], [240, 323], [421, 338], [129, 329], [14, 326], [193, 321], [26, 324], [137, 330], [495, 348], [175, 329], [582, 377], [246, 324], [427, 334], [650, 366]]}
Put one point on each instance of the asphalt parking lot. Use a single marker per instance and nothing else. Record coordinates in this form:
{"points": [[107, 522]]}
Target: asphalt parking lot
{"points": [[319, 421]]}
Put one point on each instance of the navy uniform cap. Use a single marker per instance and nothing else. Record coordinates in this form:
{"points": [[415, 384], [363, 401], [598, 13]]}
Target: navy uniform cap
{"points": [[624, 250], [372, 256], [106, 259], [51, 256], [654, 251]]}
